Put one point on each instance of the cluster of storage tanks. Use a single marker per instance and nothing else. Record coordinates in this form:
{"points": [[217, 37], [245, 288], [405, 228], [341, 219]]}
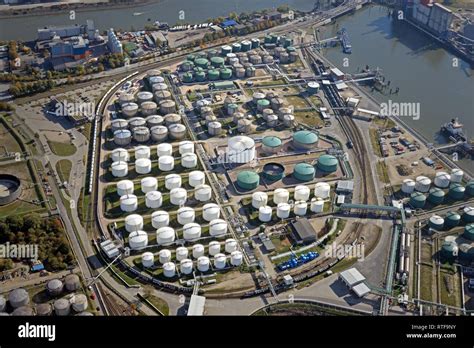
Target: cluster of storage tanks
{"points": [[204, 109], [273, 109], [422, 189], [281, 199], [451, 219], [202, 262], [461, 247]]}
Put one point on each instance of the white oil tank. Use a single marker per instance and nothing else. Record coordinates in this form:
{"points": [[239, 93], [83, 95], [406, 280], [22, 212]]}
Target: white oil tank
{"points": [[122, 137], [160, 218], [189, 160], [203, 264], [408, 186], [301, 193], [259, 199], [119, 169], [317, 205], [186, 266], [442, 179], [210, 211], [457, 175], [185, 215], [322, 190], [159, 133], [181, 253], [177, 131], [191, 231], [272, 120], [178, 196], [165, 235], [217, 227], [133, 222], [62, 307], [164, 149], [241, 149], [142, 151], [164, 255], [149, 184], [230, 245], [203, 193], [300, 208], [171, 118], [173, 181], [125, 187], [148, 108], [141, 134], [138, 240], [197, 178], [422, 184], [214, 128], [143, 166], [186, 146], [79, 303], [236, 258], [148, 259], [214, 248], [120, 155], [265, 213], [166, 163], [128, 203], [281, 195], [198, 250], [153, 199], [283, 210], [220, 261], [169, 270]]}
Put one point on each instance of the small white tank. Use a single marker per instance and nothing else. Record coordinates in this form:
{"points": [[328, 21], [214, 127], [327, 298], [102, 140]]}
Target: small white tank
{"points": [[197, 178], [143, 166], [119, 169], [408, 186], [186, 146], [185, 215], [181, 253], [160, 218], [281, 195], [272, 120], [214, 128], [164, 256], [189, 160], [214, 248], [165, 235], [62, 307], [283, 210], [210, 211], [169, 270], [317, 205], [265, 213], [300, 208], [173, 181], [422, 184], [79, 303], [133, 222], [128, 203], [203, 193], [178, 196], [236, 258], [220, 261], [322, 190], [259, 199], [153, 199], [164, 149], [125, 187], [138, 240], [120, 155], [186, 266], [301, 193], [198, 250], [149, 184], [217, 227], [442, 179], [148, 259], [457, 175], [142, 152], [191, 231], [166, 163], [230, 245], [203, 264]]}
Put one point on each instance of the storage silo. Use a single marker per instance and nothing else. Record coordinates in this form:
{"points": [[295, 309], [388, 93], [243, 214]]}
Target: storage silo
{"points": [[220, 261], [177, 131], [214, 128], [327, 163], [164, 149], [281, 195], [230, 245], [217, 62], [262, 104], [143, 166], [172, 119], [210, 118], [225, 74], [203, 264], [169, 270], [210, 211], [3, 304], [186, 215], [273, 171], [470, 188], [186, 266], [79, 303], [128, 203], [178, 196], [271, 144], [72, 282], [133, 222], [166, 163], [154, 120], [265, 213], [408, 186], [248, 180], [468, 214], [125, 187], [198, 250], [173, 181], [288, 120], [305, 140], [214, 248], [452, 219], [44, 309], [120, 155], [160, 96], [255, 43], [119, 169], [322, 190], [149, 184], [122, 137], [436, 222], [203, 193], [300, 208], [213, 75], [126, 98], [186, 147], [165, 236], [469, 232], [160, 218], [119, 124], [218, 228], [164, 255], [148, 259], [236, 258], [201, 63], [283, 210], [244, 126], [158, 133], [259, 199], [313, 87], [466, 252], [167, 107], [142, 152], [141, 134], [181, 253], [196, 178], [129, 110], [456, 191], [241, 149], [317, 205], [304, 172], [138, 240], [457, 175], [153, 199], [144, 96], [23, 311], [62, 307], [55, 287], [436, 196], [188, 77], [160, 86], [417, 200], [442, 179], [422, 183], [189, 160], [302, 193], [449, 249]]}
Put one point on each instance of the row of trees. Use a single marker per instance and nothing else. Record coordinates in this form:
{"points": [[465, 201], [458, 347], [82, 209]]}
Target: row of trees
{"points": [[19, 89]]}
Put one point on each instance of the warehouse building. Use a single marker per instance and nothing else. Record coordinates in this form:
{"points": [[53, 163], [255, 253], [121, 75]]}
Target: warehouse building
{"points": [[302, 231], [354, 280]]}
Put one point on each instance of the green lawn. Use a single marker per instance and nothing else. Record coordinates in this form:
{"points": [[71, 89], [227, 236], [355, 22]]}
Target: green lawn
{"points": [[159, 303], [61, 149], [63, 168]]}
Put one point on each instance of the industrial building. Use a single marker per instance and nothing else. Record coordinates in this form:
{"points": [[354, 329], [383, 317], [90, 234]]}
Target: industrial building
{"points": [[113, 42], [302, 231], [354, 280]]}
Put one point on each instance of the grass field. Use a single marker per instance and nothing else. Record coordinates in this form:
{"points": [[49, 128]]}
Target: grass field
{"points": [[63, 167], [61, 149], [310, 118], [297, 101], [8, 144]]}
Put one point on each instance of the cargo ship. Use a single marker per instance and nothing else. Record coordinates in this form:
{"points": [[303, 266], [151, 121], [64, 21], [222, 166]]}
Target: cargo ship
{"points": [[346, 44], [453, 130]]}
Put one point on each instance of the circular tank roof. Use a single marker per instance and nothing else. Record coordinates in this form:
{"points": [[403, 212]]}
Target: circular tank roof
{"points": [[306, 137], [304, 169], [271, 141], [248, 177], [327, 160]]}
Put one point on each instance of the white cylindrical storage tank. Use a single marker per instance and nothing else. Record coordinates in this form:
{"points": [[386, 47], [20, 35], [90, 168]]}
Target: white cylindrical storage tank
{"points": [[191, 231], [149, 184], [129, 110], [236, 258], [148, 260], [241, 149], [165, 236], [143, 166], [133, 222], [283, 210], [203, 193], [457, 175], [142, 152], [422, 184], [62, 307], [198, 250], [120, 155], [259, 199], [128, 203], [272, 120], [203, 264], [220, 261], [167, 107], [288, 120], [317, 205], [154, 121], [138, 240], [265, 213], [144, 96], [185, 215], [125, 187], [119, 169], [160, 218], [148, 108], [18, 298], [136, 122], [178, 196], [217, 227], [322, 190], [442, 179], [258, 96], [153, 199], [197, 178], [281, 195], [169, 270], [300, 208], [210, 211], [159, 86], [141, 134], [166, 163], [164, 255], [172, 181], [301, 193], [244, 125], [189, 160], [164, 149], [79, 303], [55, 287], [181, 253], [159, 133], [186, 147], [230, 245], [126, 98], [214, 128], [408, 186], [172, 118], [186, 266], [177, 131], [214, 248]]}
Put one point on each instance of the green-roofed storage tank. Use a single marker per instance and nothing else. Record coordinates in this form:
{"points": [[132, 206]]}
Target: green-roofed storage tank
{"points": [[191, 57], [188, 77], [213, 75], [470, 188], [290, 49], [456, 191], [212, 53], [452, 219], [217, 62], [200, 76], [469, 232], [186, 66], [246, 45], [304, 172], [417, 200], [201, 63], [436, 196], [225, 50], [263, 104], [248, 180], [271, 144], [268, 39], [327, 163], [225, 73], [468, 214], [305, 140]]}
